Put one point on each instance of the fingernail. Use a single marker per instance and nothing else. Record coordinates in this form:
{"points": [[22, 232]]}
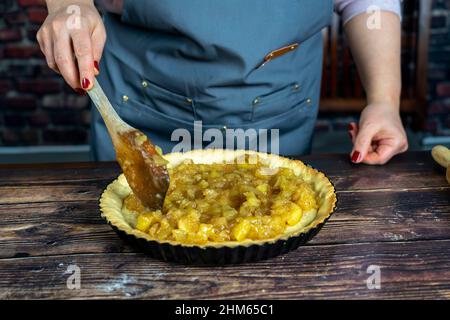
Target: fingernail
{"points": [[96, 66], [350, 135], [85, 83], [350, 126], [80, 91], [355, 156]]}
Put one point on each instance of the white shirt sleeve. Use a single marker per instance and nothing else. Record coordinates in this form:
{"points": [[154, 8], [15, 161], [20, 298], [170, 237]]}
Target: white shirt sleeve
{"points": [[351, 8]]}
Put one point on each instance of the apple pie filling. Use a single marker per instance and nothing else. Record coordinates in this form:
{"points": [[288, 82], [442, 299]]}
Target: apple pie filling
{"points": [[226, 202]]}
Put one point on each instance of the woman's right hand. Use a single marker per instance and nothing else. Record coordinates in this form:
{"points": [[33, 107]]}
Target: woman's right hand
{"points": [[72, 38]]}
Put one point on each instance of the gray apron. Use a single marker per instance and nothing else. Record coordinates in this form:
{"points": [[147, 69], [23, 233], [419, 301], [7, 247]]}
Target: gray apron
{"points": [[169, 63]]}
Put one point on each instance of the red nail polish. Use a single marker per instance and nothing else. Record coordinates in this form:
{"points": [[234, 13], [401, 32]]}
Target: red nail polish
{"points": [[85, 83], [96, 66], [355, 156], [350, 135], [80, 91], [350, 126]]}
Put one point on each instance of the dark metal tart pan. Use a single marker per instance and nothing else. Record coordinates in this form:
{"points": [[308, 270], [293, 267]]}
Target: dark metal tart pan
{"points": [[217, 253]]}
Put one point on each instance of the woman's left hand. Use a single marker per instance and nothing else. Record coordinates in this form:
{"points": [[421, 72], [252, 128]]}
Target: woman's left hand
{"points": [[379, 136]]}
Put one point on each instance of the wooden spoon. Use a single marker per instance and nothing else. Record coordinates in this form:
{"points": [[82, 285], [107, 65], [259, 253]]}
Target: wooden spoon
{"points": [[144, 168]]}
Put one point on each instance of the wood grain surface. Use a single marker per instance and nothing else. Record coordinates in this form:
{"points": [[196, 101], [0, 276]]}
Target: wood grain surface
{"points": [[396, 217]]}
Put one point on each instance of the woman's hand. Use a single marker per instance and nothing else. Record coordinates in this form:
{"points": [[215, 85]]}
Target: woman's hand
{"points": [[376, 51], [72, 39], [379, 136]]}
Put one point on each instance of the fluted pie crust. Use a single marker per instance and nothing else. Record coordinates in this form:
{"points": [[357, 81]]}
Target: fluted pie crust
{"points": [[111, 202]]}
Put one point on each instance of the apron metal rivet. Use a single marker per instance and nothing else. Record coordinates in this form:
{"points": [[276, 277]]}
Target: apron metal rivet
{"points": [[308, 101], [296, 87], [188, 100], [125, 98], [145, 84], [224, 128], [256, 101]]}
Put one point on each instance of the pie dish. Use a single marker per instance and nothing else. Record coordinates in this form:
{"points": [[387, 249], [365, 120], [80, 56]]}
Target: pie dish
{"points": [[236, 246]]}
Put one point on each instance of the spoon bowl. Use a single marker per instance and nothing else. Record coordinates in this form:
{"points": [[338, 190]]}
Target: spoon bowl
{"points": [[144, 168]]}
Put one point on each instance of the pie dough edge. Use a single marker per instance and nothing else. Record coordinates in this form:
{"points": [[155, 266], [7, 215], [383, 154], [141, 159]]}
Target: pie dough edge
{"points": [[111, 200]]}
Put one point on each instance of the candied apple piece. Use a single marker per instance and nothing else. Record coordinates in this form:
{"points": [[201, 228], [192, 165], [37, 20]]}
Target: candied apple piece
{"points": [[241, 229], [144, 221]]}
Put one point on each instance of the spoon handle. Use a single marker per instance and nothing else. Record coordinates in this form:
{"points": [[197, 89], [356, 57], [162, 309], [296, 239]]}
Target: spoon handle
{"points": [[113, 122]]}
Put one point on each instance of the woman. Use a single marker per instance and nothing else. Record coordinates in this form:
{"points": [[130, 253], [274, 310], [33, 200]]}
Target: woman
{"points": [[231, 64]]}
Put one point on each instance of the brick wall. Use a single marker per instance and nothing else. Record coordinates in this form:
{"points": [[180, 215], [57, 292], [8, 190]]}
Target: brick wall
{"points": [[438, 121], [37, 108]]}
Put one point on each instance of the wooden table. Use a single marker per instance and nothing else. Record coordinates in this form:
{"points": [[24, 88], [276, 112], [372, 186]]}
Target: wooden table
{"points": [[395, 218]]}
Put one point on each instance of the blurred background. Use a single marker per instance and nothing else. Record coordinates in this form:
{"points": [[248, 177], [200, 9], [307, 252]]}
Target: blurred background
{"points": [[43, 120]]}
